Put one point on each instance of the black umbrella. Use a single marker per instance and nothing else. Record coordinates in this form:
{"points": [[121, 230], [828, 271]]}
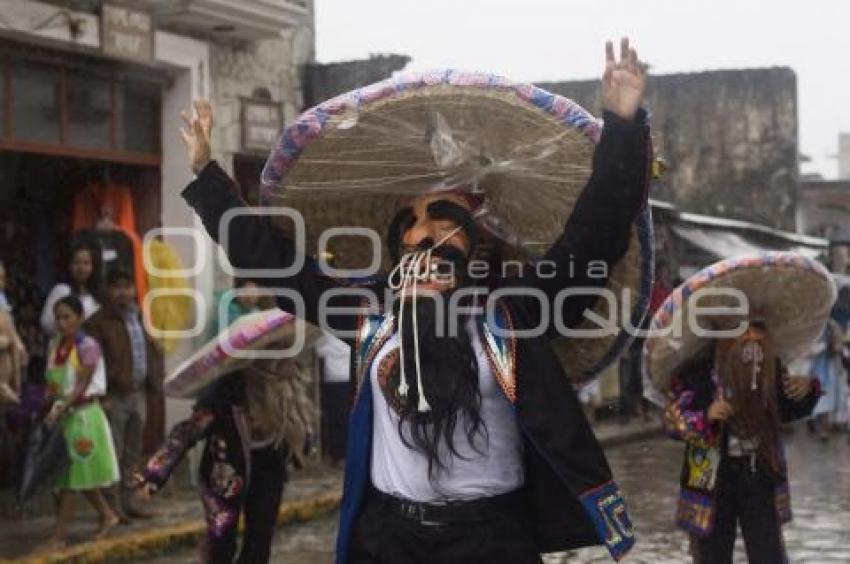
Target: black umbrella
{"points": [[46, 459]]}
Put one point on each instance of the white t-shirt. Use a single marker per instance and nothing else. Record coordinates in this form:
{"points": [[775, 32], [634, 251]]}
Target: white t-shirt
{"points": [[59, 291], [336, 356], [494, 468]]}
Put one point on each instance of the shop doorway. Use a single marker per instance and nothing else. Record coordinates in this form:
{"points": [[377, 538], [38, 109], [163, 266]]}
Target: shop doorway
{"points": [[46, 203]]}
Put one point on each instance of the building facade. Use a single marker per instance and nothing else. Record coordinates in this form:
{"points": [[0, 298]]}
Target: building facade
{"points": [[824, 211], [729, 139], [90, 98]]}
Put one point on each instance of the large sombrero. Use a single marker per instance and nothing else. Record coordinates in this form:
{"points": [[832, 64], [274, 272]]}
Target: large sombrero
{"points": [[792, 294], [358, 158], [230, 350]]}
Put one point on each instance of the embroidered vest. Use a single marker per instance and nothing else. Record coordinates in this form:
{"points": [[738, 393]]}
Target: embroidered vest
{"points": [[604, 503], [500, 347]]}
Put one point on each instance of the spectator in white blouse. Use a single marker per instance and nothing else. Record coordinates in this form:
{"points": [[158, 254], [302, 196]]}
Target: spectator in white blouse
{"points": [[83, 281]]}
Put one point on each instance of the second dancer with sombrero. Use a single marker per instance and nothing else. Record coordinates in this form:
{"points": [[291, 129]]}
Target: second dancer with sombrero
{"points": [[468, 446], [253, 416], [715, 361]]}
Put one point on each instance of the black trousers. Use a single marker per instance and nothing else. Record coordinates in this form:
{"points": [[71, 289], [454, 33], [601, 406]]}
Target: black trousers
{"points": [[335, 398], [749, 498], [382, 536], [260, 504]]}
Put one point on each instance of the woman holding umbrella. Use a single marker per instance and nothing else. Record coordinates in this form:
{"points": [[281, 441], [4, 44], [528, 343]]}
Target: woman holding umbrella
{"points": [[76, 380]]}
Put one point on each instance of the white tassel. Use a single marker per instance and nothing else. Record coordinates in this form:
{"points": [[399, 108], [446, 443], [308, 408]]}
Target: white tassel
{"points": [[403, 387], [408, 271], [423, 402]]}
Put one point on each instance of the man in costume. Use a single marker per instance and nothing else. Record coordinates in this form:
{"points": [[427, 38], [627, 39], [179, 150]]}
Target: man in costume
{"points": [[729, 396], [467, 447]]}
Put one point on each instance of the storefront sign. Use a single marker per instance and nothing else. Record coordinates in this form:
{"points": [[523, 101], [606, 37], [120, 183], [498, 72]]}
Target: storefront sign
{"points": [[126, 32], [261, 123]]}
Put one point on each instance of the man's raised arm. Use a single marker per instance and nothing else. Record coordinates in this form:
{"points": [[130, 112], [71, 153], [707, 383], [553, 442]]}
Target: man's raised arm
{"points": [[251, 241], [598, 230]]}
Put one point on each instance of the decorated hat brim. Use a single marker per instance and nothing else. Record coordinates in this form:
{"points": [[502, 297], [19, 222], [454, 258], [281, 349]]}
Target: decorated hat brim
{"points": [[230, 350], [357, 159], [792, 295]]}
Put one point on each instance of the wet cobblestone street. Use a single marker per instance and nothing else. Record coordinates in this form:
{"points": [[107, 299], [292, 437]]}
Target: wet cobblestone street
{"points": [[820, 496], [648, 472]]}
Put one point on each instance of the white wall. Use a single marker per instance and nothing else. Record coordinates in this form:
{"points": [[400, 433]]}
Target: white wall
{"points": [[25, 15], [190, 59], [198, 69]]}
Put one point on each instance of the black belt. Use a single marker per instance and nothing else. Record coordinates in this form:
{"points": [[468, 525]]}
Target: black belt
{"points": [[476, 510]]}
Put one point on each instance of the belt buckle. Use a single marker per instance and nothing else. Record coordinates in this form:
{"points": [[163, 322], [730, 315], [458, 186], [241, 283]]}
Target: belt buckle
{"points": [[417, 512], [413, 510]]}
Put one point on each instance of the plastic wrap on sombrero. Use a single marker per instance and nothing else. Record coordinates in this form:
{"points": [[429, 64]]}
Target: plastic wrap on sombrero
{"points": [[790, 293], [343, 112], [356, 159]]}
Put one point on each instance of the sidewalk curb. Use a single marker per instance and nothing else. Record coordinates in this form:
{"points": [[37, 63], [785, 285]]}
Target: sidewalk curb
{"points": [[132, 546], [149, 543]]}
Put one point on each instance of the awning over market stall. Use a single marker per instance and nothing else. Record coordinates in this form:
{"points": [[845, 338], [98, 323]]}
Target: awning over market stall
{"points": [[725, 244], [722, 238]]}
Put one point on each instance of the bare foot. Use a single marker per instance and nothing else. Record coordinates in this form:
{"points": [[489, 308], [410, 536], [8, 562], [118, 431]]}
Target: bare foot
{"points": [[106, 526]]}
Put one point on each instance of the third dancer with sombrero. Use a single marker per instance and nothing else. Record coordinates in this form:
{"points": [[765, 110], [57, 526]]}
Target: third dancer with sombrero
{"points": [[466, 447], [721, 377]]}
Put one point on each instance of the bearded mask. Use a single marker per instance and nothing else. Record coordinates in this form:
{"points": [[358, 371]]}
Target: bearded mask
{"points": [[748, 371], [431, 380]]}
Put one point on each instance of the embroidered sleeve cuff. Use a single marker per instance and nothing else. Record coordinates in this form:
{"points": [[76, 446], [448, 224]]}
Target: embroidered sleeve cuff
{"points": [[157, 469], [687, 424], [607, 510]]}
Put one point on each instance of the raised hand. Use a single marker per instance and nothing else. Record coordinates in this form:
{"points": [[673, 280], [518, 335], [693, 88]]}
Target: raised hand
{"points": [[196, 134], [797, 387], [57, 411], [623, 82], [144, 490], [720, 410]]}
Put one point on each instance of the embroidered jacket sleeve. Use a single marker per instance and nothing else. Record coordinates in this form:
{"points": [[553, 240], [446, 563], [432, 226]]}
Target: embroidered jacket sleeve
{"points": [[252, 242], [182, 437], [596, 235], [685, 419]]}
